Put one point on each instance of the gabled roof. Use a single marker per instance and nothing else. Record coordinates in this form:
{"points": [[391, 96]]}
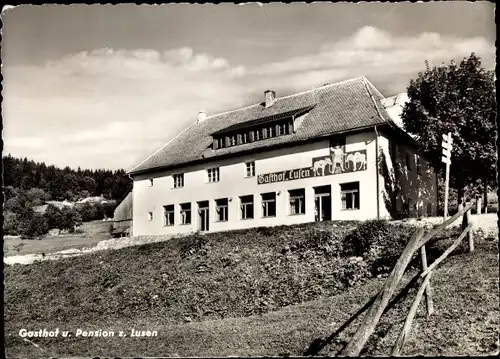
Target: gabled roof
{"points": [[335, 108]]}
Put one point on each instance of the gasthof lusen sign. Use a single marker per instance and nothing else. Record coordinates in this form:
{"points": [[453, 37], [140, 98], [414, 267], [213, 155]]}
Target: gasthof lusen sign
{"points": [[336, 163]]}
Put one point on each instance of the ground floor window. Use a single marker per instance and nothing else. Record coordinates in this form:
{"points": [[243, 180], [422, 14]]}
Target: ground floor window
{"points": [[349, 194], [186, 213], [221, 209], [169, 215], [297, 201], [246, 207], [269, 204]]}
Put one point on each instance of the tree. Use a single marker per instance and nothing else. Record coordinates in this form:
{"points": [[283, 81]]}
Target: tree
{"points": [[11, 224], [34, 226], [87, 212], [54, 216], [459, 99], [70, 219]]}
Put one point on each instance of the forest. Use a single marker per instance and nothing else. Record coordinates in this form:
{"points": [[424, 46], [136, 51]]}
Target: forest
{"points": [[29, 184]]}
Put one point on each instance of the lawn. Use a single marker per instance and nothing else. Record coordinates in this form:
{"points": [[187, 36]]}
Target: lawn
{"points": [[50, 244], [465, 322]]}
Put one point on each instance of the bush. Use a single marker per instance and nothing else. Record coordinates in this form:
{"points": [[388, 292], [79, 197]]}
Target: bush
{"points": [[34, 227], [11, 224], [54, 216]]}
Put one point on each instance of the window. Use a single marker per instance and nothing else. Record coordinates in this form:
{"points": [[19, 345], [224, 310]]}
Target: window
{"points": [[269, 204], [150, 216], [271, 131], [213, 174], [246, 207], [150, 182], [185, 213], [409, 165], [349, 193], [231, 140], [250, 169], [297, 201], [221, 209], [257, 136], [282, 129], [169, 215], [178, 180]]}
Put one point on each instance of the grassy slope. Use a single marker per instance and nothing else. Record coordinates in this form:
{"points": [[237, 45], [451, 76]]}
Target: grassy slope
{"points": [[50, 244], [288, 330]]}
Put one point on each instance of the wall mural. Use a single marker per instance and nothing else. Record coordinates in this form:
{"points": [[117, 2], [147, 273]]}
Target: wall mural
{"points": [[337, 162]]}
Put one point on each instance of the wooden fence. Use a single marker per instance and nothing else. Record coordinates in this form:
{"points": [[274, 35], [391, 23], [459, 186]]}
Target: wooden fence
{"points": [[378, 305]]}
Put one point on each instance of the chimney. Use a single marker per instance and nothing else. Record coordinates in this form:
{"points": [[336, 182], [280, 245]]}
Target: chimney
{"points": [[202, 116], [269, 97]]}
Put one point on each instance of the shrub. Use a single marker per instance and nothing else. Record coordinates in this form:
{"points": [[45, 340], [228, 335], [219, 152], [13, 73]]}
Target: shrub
{"points": [[11, 224], [35, 226], [359, 241], [54, 216]]}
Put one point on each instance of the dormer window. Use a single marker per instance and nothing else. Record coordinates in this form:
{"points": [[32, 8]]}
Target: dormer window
{"points": [[258, 129]]}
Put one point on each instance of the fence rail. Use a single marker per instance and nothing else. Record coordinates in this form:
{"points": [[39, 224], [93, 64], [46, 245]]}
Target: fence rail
{"points": [[379, 305]]}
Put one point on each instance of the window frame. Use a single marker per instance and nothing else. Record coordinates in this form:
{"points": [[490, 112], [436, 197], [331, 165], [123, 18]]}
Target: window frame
{"points": [[265, 204], [166, 215], [301, 203], [212, 173], [224, 208], [250, 165], [243, 206], [183, 212], [178, 179], [356, 198]]}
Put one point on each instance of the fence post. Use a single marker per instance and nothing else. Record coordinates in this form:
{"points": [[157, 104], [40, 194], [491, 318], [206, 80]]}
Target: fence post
{"points": [[466, 220], [428, 289]]}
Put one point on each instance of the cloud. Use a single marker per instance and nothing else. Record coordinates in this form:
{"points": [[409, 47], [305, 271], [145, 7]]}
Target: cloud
{"points": [[113, 107], [376, 54]]}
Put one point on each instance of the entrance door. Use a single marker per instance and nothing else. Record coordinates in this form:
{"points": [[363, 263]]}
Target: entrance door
{"points": [[203, 216], [322, 203]]}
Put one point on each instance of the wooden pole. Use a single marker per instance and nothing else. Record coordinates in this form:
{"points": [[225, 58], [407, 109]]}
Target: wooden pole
{"points": [[403, 335], [447, 252], [367, 326], [467, 221], [353, 348], [446, 189], [428, 290]]}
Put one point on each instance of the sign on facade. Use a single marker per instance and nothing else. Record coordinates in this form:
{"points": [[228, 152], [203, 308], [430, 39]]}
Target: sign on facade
{"points": [[337, 162]]}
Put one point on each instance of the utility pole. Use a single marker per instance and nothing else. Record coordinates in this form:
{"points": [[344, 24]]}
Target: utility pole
{"points": [[447, 147]]}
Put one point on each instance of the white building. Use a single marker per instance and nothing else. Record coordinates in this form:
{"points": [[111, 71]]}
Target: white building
{"points": [[330, 153]]}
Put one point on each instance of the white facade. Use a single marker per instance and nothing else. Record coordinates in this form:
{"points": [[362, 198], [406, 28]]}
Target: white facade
{"points": [[153, 191]]}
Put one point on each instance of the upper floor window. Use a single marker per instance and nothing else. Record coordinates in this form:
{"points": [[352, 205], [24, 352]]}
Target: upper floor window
{"points": [[297, 201], [231, 140], [169, 215], [186, 213], [150, 216], [178, 180], [244, 138], [250, 169], [213, 174], [349, 194]]}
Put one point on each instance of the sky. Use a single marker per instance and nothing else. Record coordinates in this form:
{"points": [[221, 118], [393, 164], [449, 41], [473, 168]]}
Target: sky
{"points": [[104, 86]]}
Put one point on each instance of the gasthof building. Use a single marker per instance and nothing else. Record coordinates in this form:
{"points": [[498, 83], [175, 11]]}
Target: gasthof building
{"points": [[330, 153]]}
